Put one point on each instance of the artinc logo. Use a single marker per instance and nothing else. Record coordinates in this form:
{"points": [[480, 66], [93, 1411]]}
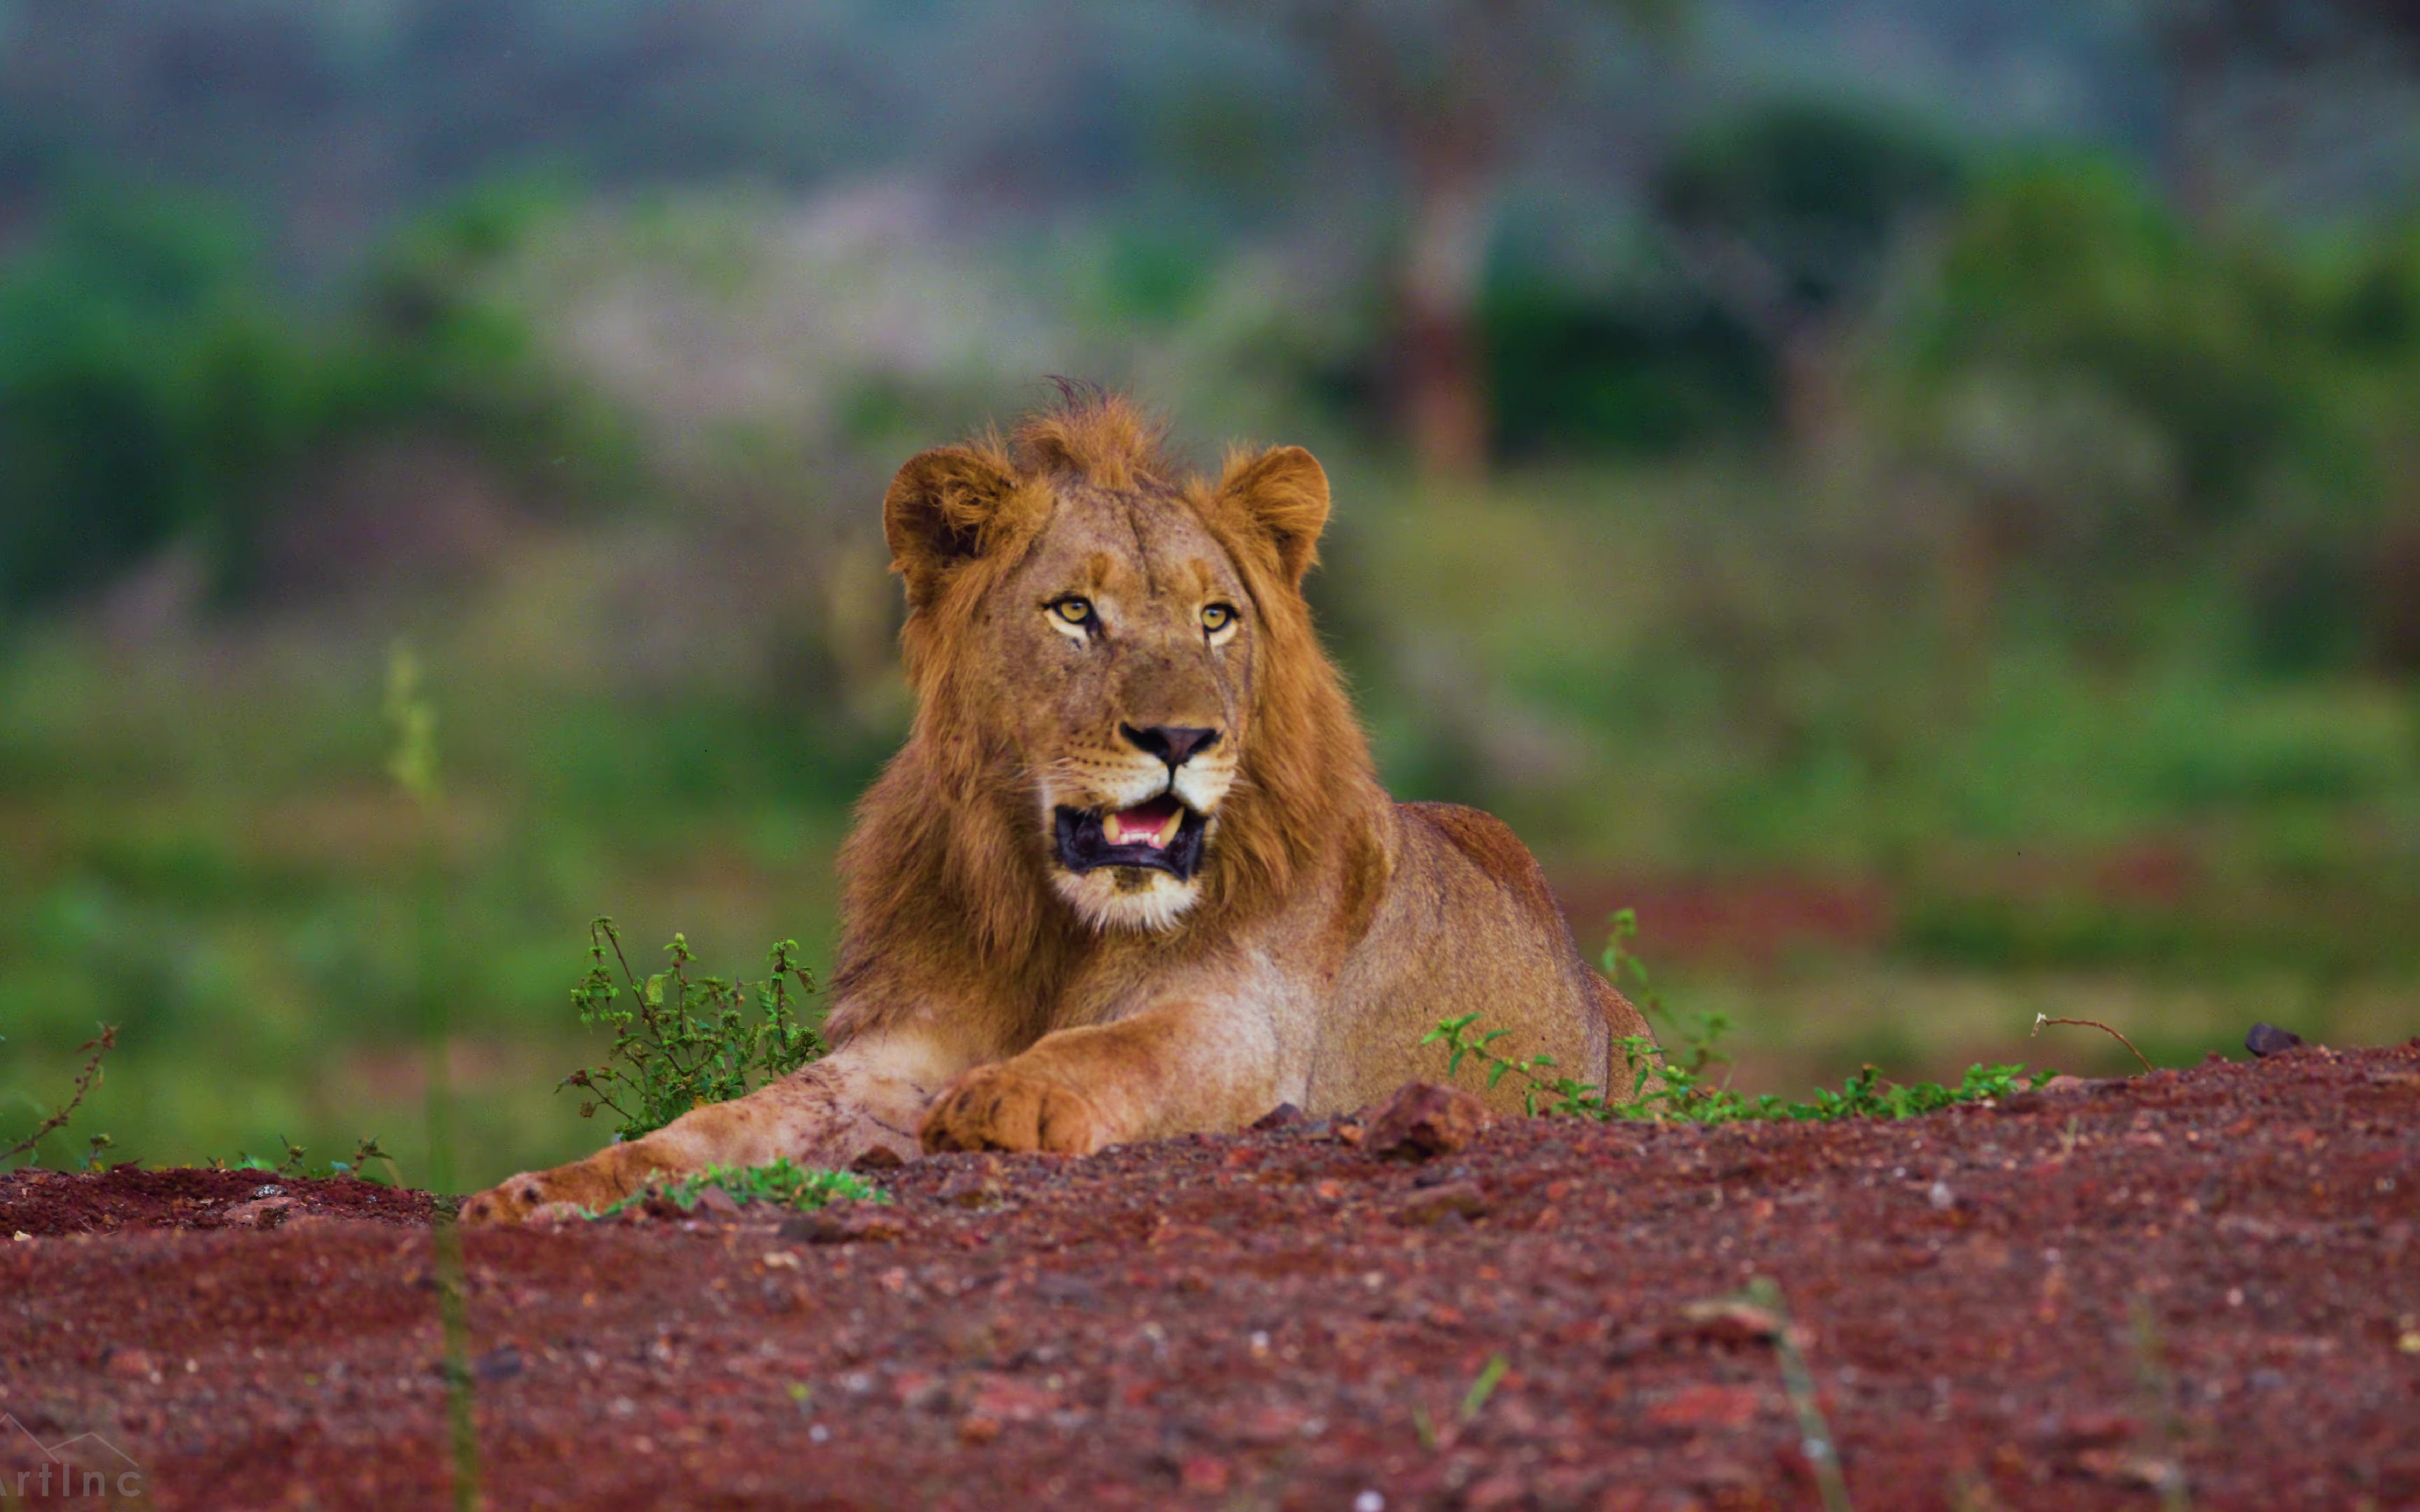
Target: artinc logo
{"points": [[84, 1465]]}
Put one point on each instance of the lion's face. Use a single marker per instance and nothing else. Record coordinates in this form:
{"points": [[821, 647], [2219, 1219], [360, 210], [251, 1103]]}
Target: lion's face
{"points": [[1117, 680], [1121, 652]]}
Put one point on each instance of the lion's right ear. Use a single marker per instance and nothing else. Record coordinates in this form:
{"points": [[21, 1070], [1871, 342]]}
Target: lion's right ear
{"points": [[943, 509]]}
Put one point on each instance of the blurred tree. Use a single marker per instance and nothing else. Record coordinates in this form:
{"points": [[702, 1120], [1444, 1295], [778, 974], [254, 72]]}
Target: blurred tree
{"points": [[1455, 94], [1787, 217], [2309, 105]]}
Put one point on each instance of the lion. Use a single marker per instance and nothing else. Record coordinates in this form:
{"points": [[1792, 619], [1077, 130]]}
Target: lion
{"points": [[1133, 875]]}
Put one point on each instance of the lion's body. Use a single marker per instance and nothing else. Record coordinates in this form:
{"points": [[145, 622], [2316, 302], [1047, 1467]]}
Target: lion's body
{"points": [[1286, 932]]}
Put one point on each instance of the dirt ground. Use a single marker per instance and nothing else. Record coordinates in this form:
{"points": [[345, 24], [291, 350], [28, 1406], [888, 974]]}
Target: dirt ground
{"points": [[2196, 1286]]}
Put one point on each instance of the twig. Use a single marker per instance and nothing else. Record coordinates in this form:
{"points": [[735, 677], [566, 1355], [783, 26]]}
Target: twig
{"points": [[2041, 1019], [85, 1081], [1814, 1433]]}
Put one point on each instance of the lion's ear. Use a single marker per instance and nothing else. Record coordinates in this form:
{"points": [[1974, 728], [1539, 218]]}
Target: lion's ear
{"points": [[1283, 492], [939, 512]]}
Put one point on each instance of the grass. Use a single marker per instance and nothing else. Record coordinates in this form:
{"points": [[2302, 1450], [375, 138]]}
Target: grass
{"points": [[780, 1185]]}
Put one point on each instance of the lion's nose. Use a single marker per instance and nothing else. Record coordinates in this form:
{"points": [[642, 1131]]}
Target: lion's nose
{"points": [[1175, 744]]}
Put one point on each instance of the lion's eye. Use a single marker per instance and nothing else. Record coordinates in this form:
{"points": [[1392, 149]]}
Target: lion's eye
{"points": [[1072, 610], [1217, 617]]}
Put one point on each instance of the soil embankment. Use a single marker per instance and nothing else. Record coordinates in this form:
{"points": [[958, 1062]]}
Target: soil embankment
{"points": [[2059, 1302]]}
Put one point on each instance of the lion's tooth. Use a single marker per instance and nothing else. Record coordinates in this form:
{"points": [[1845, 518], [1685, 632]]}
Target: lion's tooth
{"points": [[1168, 830]]}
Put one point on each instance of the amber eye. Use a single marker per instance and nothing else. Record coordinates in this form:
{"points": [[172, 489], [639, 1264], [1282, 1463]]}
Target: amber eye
{"points": [[1073, 611], [1217, 617]]}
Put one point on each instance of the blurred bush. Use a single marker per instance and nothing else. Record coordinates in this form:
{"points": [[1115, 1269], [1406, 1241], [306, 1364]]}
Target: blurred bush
{"points": [[157, 391], [2117, 400]]}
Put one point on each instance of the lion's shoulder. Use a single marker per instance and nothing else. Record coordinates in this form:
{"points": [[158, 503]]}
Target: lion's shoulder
{"points": [[1489, 844]]}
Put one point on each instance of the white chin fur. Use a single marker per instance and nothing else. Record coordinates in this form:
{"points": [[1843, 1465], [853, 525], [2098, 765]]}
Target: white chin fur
{"points": [[1095, 895]]}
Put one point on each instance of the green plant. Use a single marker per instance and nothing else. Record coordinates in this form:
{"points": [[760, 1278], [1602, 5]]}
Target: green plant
{"points": [[1672, 1093], [1675, 1087], [684, 1041], [86, 1079], [295, 1162], [780, 1185]]}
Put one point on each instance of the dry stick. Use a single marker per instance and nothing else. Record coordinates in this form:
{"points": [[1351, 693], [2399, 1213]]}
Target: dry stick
{"points": [[1814, 1433], [2041, 1019], [85, 1081]]}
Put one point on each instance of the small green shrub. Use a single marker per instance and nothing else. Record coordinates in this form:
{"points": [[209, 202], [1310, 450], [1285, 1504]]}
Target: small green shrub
{"points": [[780, 1185], [94, 1050], [296, 1163], [685, 1041], [1677, 1088]]}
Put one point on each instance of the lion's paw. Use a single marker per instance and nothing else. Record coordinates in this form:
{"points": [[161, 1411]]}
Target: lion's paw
{"points": [[592, 1185], [1000, 1107]]}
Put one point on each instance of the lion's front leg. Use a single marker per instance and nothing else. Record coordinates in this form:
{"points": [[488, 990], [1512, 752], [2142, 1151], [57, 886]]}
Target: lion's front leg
{"points": [[859, 1098], [1179, 1068]]}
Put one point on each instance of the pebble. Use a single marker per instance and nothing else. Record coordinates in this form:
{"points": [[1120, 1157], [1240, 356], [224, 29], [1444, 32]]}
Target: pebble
{"points": [[851, 1223], [2266, 1040], [130, 1364], [1429, 1205], [1423, 1120]]}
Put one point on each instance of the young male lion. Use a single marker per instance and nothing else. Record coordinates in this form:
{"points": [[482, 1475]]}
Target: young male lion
{"points": [[1132, 875]]}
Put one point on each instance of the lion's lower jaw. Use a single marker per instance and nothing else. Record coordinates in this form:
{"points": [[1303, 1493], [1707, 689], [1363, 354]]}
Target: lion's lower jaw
{"points": [[1108, 899]]}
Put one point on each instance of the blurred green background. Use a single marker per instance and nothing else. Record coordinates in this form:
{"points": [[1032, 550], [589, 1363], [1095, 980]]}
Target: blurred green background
{"points": [[1918, 497]]}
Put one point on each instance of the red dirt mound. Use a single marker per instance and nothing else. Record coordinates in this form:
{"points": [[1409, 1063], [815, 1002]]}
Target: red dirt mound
{"points": [[48, 1203], [2075, 1299]]}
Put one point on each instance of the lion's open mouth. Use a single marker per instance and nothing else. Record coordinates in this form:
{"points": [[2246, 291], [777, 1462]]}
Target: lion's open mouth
{"points": [[1162, 834]]}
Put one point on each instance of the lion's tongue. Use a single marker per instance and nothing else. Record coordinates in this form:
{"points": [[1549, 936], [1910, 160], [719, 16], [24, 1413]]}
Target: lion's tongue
{"points": [[1151, 824]]}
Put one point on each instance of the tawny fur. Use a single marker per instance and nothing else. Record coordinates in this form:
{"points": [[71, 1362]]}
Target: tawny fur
{"points": [[989, 997]]}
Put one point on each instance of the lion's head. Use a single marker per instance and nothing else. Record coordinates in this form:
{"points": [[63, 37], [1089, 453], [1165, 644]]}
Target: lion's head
{"points": [[1120, 701]]}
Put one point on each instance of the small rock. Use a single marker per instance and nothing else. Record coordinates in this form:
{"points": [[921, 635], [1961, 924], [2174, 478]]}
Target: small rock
{"points": [[1940, 1195], [877, 1158], [2266, 1040], [1423, 1120], [500, 1364], [1433, 1204], [2120, 1467], [1495, 1492], [1205, 1475], [854, 1223], [977, 1187], [1001, 1399], [975, 1428], [1284, 1116], [260, 1212], [1707, 1406], [130, 1364], [714, 1202], [2084, 1431]]}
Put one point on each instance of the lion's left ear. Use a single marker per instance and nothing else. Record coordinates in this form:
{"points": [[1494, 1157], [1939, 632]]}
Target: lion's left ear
{"points": [[1283, 492]]}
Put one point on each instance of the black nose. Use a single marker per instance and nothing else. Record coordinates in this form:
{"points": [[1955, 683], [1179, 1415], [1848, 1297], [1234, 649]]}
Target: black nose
{"points": [[1172, 743]]}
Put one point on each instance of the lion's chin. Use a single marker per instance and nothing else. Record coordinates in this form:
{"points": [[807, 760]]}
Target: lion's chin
{"points": [[1127, 898]]}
